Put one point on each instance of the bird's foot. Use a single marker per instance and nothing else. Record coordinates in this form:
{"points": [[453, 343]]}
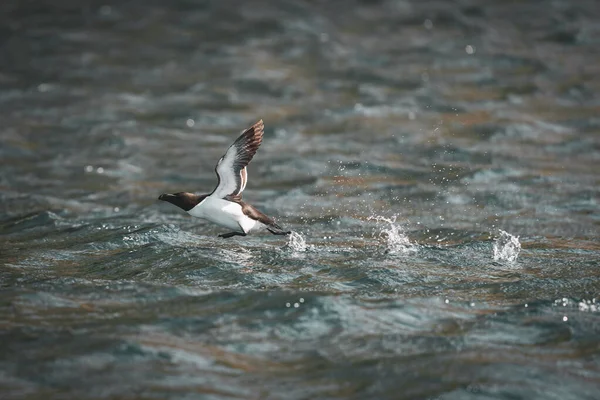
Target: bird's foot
{"points": [[231, 234], [274, 232]]}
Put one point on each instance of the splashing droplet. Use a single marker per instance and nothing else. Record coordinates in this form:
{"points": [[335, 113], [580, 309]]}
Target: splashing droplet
{"points": [[588, 305], [506, 247], [396, 239]]}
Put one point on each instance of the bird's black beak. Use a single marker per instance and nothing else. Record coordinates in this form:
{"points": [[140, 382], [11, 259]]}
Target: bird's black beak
{"points": [[165, 196]]}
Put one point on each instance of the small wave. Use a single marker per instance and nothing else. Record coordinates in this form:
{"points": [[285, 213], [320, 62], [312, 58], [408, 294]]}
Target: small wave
{"points": [[506, 247], [395, 238]]}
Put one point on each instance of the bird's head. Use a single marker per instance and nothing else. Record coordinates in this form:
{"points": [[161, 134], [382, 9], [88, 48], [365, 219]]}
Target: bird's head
{"points": [[183, 200]]}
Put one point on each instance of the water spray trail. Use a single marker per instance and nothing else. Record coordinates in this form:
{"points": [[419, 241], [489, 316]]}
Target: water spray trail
{"points": [[296, 242]]}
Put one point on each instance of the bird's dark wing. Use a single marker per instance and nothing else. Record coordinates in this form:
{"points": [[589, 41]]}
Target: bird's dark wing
{"points": [[231, 168]]}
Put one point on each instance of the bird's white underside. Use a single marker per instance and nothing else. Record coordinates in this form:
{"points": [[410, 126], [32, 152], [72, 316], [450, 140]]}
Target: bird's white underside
{"points": [[225, 213]]}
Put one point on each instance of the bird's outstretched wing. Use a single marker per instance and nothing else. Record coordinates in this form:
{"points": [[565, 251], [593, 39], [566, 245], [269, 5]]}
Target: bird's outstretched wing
{"points": [[231, 168]]}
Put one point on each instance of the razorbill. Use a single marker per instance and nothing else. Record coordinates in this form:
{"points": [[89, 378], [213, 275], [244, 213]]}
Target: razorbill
{"points": [[224, 206]]}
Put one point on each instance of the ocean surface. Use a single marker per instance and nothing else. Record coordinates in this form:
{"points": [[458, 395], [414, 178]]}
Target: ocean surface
{"points": [[437, 161]]}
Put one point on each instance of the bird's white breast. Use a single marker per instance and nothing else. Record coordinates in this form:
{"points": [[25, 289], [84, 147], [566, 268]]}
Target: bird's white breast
{"points": [[225, 213]]}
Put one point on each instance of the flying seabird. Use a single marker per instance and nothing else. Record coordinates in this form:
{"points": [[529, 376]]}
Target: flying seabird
{"points": [[224, 206]]}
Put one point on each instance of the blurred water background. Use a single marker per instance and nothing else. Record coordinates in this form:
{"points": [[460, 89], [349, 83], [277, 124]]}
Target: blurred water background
{"points": [[437, 160]]}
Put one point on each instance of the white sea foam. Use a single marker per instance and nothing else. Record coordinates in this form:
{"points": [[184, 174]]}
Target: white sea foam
{"points": [[396, 240], [506, 247]]}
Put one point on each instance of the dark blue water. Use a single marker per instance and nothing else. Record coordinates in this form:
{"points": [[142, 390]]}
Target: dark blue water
{"points": [[437, 161]]}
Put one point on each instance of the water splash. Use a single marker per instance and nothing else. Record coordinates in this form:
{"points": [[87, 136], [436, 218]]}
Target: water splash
{"points": [[296, 242], [506, 247], [395, 238]]}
